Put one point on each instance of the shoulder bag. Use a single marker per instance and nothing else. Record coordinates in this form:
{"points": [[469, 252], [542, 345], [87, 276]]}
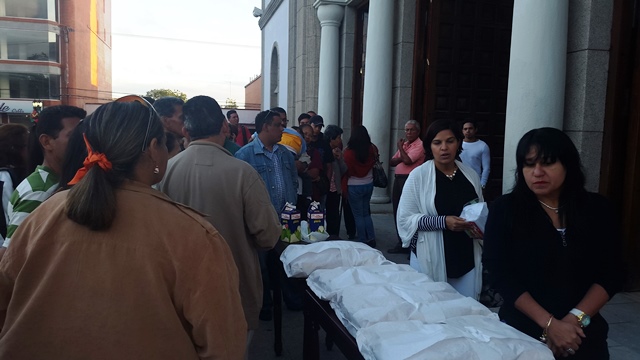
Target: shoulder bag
{"points": [[379, 176]]}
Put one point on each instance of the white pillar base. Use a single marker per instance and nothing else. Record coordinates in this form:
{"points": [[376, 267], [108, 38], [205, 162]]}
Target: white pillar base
{"points": [[380, 196]]}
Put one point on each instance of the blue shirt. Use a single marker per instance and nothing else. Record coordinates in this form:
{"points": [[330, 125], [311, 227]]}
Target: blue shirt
{"points": [[277, 169]]}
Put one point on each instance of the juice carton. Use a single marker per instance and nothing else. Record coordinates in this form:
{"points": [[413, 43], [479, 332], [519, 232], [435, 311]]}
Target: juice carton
{"points": [[290, 220], [316, 216]]}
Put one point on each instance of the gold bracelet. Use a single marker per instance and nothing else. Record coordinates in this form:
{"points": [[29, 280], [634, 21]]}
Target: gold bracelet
{"points": [[543, 337]]}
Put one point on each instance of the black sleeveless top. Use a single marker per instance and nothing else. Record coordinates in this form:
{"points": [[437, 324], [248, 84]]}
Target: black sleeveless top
{"points": [[451, 197]]}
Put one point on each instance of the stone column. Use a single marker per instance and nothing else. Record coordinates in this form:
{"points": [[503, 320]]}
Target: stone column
{"points": [[330, 16], [378, 71], [537, 71]]}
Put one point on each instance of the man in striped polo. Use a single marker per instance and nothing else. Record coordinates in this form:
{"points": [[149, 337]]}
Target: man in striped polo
{"points": [[52, 132]]}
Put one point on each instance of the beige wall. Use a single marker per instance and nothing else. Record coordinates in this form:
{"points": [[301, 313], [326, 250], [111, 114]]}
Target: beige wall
{"points": [[253, 94]]}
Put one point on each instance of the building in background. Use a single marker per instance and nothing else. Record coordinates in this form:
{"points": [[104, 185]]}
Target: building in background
{"points": [[53, 52], [510, 65], [253, 94]]}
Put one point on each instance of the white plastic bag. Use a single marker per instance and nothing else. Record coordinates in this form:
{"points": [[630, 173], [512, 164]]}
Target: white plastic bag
{"points": [[300, 261], [461, 338], [311, 237], [476, 214]]}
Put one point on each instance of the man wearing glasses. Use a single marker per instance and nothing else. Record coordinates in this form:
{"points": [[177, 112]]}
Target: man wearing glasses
{"points": [[276, 166], [283, 115], [409, 156]]}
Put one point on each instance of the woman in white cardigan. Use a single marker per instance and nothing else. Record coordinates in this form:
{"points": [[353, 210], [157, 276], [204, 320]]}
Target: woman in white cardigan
{"points": [[428, 213]]}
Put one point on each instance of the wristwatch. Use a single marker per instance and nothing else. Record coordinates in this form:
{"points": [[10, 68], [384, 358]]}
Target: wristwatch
{"points": [[583, 318]]}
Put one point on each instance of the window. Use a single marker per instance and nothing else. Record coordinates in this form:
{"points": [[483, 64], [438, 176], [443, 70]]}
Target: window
{"points": [[32, 86], [35, 9], [32, 45]]}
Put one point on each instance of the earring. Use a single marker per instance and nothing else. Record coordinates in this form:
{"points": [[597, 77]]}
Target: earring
{"points": [[156, 170]]}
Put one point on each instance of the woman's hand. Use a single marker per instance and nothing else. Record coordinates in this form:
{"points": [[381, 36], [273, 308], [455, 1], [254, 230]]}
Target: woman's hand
{"points": [[455, 223], [337, 153], [563, 335]]}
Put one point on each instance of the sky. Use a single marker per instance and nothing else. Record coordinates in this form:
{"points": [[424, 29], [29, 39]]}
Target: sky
{"points": [[199, 47]]}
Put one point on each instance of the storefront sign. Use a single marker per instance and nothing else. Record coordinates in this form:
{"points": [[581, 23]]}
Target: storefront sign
{"points": [[16, 106]]}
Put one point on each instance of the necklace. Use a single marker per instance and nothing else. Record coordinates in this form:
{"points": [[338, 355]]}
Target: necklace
{"points": [[450, 177], [555, 209]]}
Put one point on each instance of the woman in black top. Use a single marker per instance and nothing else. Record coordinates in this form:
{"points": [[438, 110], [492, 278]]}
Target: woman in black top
{"points": [[552, 249], [428, 213]]}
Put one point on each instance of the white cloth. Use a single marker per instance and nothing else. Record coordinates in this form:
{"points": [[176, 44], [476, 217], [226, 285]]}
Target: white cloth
{"points": [[462, 338], [465, 284], [301, 260], [418, 199], [360, 306], [395, 312], [327, 283]]}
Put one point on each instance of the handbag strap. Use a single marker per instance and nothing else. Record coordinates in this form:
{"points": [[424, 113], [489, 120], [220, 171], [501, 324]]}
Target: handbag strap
{"points": [[375, 148]]}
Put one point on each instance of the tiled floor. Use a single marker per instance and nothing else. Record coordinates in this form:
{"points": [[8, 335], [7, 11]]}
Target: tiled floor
{"points": [[622, 313]]}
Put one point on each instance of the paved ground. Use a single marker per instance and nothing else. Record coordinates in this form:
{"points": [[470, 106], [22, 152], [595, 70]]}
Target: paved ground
{"points": [[622, 312]]}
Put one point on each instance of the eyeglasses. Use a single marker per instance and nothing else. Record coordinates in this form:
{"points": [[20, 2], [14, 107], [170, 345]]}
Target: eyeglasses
{"points": [[147, 104], [267, 115], [410, 130], [282, 122]]}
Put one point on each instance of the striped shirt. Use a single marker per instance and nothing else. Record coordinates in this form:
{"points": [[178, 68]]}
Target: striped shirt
{"points": [[31, 192], [428, 223]]}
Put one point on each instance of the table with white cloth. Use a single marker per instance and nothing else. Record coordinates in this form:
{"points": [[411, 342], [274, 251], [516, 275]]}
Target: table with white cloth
{"points": [[375, 309]]}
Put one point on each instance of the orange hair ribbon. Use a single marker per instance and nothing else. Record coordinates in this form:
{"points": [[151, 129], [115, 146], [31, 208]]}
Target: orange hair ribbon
{"points": [[92, 159]]}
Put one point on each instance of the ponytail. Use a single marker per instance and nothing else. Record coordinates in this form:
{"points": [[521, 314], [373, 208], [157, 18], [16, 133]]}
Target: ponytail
{"points": [[92, 201], [113, 136]]}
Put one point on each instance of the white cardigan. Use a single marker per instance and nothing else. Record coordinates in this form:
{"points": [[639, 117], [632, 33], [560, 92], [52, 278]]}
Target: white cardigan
{"points": [[418, 199]]}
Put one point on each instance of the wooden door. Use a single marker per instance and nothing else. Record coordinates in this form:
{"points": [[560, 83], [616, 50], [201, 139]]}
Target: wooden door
{"points": [[620, 167], [359, 57], [461, 69]]}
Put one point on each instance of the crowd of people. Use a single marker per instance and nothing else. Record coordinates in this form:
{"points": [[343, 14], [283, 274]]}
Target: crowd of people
{"points": [[155, 222]]}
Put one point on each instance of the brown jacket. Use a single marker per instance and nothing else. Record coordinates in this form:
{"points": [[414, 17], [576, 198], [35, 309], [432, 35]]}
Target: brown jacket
{"points": [[206, 177], [158, 284]]}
